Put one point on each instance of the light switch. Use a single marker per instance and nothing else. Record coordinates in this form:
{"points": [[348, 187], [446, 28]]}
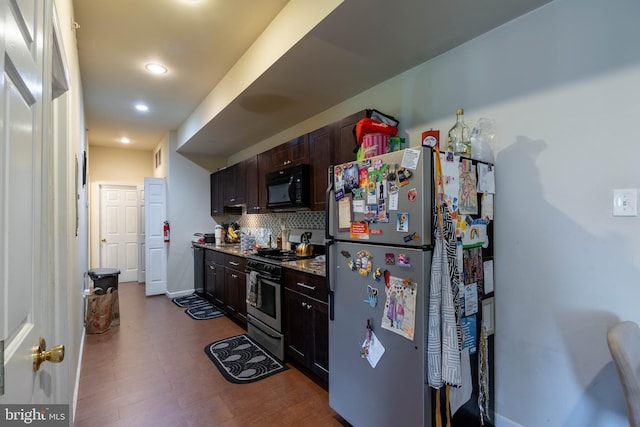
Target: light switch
{"points": [[625, 202]]}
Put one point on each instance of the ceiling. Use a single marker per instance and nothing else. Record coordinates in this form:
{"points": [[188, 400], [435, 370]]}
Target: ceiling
{"points": [[358, 45]]}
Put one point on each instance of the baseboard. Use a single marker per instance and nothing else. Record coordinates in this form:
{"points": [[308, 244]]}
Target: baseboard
{"points": [[76, 386], [502, 421], [178, 294]]}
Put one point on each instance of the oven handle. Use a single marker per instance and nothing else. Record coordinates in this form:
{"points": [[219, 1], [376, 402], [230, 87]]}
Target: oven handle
{"points": [[264, 276], [261, 330]]}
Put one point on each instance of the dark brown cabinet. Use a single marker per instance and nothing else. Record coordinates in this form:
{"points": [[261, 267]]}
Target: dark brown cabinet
{"points": [[217, 196], [321, 144], [345, 141], [235, 184], [293, 152], [235, 287], [253, 172], [306, 322], [214, 277], [330, 145]]}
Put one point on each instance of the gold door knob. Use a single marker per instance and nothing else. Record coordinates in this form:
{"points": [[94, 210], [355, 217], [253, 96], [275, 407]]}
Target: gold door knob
{"points": [[104, 240], [41, 354]]}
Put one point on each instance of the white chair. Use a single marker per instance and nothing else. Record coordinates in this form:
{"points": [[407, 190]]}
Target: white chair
{"points": [[624, 345]]}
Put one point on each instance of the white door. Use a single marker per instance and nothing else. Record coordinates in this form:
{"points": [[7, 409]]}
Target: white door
{"points": [[119, 230], [25, 269], [155, 213], [141, 260]]}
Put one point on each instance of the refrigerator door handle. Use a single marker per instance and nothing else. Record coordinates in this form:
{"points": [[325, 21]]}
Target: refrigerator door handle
{"points": [[327, 274], [327, 221]]}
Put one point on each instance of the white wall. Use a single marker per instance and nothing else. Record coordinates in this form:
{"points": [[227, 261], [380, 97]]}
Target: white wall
{"points": [[562, 84], [188, 211]]}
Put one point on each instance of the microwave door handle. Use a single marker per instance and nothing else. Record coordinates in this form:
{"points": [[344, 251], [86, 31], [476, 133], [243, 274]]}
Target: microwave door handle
{"points": [[292, 190]]}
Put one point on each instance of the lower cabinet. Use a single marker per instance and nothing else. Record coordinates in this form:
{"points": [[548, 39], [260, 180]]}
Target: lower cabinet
{"points": [[226, 283], [235, 287], [306, 322], [214, 276]]}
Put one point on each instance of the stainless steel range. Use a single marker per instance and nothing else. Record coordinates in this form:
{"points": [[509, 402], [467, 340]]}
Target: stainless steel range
{"points": [[264, 303], [265, 279]]}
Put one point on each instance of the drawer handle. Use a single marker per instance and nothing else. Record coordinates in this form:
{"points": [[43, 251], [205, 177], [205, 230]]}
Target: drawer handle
{"points": [[235, 264], [313, 288]]}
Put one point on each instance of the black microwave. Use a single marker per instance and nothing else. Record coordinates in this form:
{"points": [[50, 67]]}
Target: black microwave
{"points": [[288, 189]]}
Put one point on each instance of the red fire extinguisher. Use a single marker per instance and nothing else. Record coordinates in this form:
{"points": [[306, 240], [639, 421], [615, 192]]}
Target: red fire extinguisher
{"points": [[167, 230]]}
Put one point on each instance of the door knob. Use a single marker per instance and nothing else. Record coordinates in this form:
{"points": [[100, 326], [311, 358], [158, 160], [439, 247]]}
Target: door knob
{"points": [[104, 240], [41, 354]]}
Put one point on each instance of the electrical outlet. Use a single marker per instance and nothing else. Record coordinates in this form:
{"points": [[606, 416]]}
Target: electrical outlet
{"points": [[625, 202]]}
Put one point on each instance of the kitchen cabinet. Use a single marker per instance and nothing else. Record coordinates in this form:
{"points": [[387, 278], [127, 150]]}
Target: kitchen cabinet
{"points": [[306, 322], [235, 185], [217, 198], [235, 287], [321, 147], [214, 277], [345, 141], [330, 145], [293, 152], [252, 173]]}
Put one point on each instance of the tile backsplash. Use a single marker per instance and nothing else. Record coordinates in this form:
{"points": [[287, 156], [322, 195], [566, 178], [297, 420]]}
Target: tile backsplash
{"points": [[261, 225]]}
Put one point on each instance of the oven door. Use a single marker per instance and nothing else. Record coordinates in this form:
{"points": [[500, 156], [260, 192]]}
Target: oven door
{"points": [[264, 300]]}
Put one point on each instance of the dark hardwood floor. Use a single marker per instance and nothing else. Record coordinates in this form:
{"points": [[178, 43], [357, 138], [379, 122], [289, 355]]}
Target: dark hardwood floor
{"points": [[151, 370]]}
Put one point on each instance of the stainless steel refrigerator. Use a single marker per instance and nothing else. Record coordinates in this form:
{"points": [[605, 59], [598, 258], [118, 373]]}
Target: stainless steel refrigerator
{"points": [[379, 242]]}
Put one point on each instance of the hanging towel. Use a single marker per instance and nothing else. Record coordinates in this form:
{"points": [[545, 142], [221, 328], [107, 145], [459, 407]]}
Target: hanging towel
{"points": [[252, 296]]}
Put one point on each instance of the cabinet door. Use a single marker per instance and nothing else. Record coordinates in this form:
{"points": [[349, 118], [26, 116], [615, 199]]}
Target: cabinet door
{"points": [[293, 152], [264, 166], [235, 294], [319, 353], [217, 197], [321, 147], [295, 325], [252, 172], [346, 141], [234, 185], [218, 286]]}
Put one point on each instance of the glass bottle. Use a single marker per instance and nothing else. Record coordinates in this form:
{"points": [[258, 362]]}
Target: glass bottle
{"points": [[458, 137]]}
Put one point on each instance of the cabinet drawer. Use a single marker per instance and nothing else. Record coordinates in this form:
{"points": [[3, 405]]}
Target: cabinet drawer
{"points": [[215, 256], [235, 262], [307, 284]]}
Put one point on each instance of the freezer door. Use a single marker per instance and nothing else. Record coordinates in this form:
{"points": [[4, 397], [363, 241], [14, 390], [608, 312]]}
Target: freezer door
{"points": [[403, 218], [395, 391]]}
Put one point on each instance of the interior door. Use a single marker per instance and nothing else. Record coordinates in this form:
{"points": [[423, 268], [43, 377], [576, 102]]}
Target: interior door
{"points": [[155, 212], [119, 230], [25, 271], [141, 247]]}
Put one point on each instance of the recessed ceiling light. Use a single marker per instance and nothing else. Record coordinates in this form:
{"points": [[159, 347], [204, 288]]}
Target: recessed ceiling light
{"points": [[142, 107], [125, 140], [156, 68]]}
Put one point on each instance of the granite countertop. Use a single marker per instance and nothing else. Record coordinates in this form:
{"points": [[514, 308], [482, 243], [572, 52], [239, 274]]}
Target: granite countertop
{"points": [[312, 266], [227, 248]]}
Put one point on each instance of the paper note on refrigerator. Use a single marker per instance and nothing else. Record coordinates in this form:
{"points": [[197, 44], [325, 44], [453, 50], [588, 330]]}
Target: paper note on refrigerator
{"points": [[375, 351], [399, 314]]}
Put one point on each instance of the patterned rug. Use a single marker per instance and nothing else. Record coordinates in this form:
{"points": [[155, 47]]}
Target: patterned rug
{"points": [[198, 308], [241, 360]]}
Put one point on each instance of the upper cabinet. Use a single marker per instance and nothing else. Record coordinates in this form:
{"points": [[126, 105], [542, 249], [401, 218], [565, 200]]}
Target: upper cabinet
{"points": [[293, 152], [330, 145], [235, 185], [244, 183]]}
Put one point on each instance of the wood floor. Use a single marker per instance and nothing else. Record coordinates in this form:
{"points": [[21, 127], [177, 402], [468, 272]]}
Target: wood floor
{"points": [[152, 371]]}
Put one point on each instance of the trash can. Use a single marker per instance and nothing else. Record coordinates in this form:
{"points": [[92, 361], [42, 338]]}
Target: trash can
{"points": [[103, 306], [104, 278]]}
